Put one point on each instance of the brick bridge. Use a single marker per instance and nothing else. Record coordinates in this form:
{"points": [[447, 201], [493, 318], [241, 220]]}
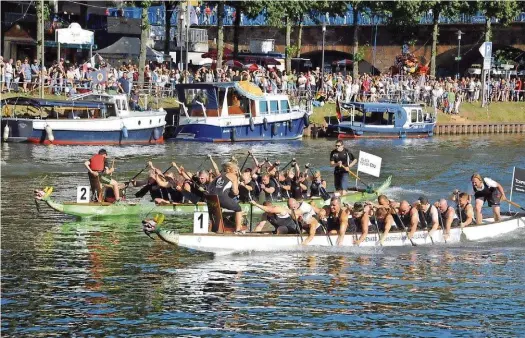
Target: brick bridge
{"points": [[338, 43]]}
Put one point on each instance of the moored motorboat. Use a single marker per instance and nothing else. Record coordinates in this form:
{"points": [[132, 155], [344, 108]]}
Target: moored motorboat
{"points": [[89, 119], [383, 120], [229, 242], [141, 208], [238, 111]]}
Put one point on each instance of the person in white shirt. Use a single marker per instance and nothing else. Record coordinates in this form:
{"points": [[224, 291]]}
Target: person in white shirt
{"points": [[304, 213], [8, 74], [486, 189]]}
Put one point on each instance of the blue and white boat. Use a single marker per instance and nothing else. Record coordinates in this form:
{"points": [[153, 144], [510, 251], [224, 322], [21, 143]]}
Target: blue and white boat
{"points": [[383, 120], [90, 119], [237, 111]]}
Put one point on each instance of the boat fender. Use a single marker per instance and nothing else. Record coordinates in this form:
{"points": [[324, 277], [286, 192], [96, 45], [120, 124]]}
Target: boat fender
{"points": [[265, 124], [252, 124], [290, 125], [233, 134], [306, 120], [49, 133], [274, 129], [156, 133], [5, 135], [124, 132]]}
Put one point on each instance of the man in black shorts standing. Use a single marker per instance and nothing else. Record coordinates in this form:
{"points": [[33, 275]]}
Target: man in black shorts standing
{"points": [[342, 160]]}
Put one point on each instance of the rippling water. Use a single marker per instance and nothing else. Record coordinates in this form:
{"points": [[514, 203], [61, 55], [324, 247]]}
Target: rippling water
{"points": [[61, 277]]}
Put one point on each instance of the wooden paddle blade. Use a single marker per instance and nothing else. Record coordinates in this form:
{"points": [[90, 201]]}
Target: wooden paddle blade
{"points": [[37, 206], [143, 191]]}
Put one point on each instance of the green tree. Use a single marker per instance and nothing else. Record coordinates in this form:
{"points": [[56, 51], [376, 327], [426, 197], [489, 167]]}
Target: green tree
{"points": [[170, 7], [249, 8], [287, 14], [40, 14], [220, 33], [441, 8], [144, 37], [503, 11]]}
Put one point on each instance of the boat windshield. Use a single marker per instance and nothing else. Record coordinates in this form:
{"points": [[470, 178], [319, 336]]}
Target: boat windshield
{"points": [[51, 112], [237, 104]]}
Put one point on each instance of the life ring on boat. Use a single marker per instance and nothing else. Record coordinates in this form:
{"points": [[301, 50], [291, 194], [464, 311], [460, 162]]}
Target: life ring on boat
{"points": [[274, 129], [49, 133], [252, 124], [306, 120], [265, 124], [290, 125]]}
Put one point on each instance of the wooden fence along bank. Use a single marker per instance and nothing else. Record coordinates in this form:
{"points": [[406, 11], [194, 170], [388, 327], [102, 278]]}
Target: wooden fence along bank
{"points": [[448, 129]]}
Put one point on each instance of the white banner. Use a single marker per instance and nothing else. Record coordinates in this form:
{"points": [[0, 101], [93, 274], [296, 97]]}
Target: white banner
{"points": [[369, 164]]}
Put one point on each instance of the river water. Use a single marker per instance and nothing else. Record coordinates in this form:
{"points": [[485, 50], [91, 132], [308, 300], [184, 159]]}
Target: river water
{"points": [[63, 277]]}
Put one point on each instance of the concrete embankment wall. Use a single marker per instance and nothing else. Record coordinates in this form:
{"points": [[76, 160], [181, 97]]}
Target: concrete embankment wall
{"points": [[450, 129]]}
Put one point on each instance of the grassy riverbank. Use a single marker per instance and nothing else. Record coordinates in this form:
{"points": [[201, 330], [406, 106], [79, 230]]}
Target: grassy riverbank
{"points": [[470, 112]]}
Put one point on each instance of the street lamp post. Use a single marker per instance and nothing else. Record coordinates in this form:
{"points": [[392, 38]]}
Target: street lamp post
{"points": [[458, 58], [322, 57]]}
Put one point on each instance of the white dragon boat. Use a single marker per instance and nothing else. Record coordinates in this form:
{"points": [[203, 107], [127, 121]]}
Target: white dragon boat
{"points": [[220, 241]]}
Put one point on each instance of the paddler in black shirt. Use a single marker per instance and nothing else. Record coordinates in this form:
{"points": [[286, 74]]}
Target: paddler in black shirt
{"points": [[342, 160]]}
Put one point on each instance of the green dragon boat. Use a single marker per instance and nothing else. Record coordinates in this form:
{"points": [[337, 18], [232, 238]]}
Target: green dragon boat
{"points": [[105, 209]]}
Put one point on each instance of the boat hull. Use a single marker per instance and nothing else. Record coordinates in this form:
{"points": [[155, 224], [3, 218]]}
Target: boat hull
{"points": [[279, 130], [217, 243], [344, 132], [95, 132], [105, 210]]}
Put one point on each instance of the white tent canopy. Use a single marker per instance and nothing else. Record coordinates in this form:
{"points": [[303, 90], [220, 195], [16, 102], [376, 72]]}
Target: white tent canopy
{"points": [[74, 34], [129, 48]]}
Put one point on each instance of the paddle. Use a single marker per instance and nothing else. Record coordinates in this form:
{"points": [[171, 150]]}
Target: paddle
{"points": [[144, 190], [374, 222], [368, 187], [134, 177], [442, 225], [462, 237], [514, 204], [404, 228], [245, 160], [292, 160], [299, 227], [326, 232], [426, 226]]}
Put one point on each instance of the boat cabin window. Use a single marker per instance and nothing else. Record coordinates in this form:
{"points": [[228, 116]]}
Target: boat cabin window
{"points": [[274, 107], [413, 115], [263, 107], [110, 110], [285, 108], [358, 116], [194, 95], [376, 118]]}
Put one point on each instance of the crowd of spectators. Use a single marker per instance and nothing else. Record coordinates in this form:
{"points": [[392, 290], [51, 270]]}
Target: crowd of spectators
{"points": [[67, 78]]}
